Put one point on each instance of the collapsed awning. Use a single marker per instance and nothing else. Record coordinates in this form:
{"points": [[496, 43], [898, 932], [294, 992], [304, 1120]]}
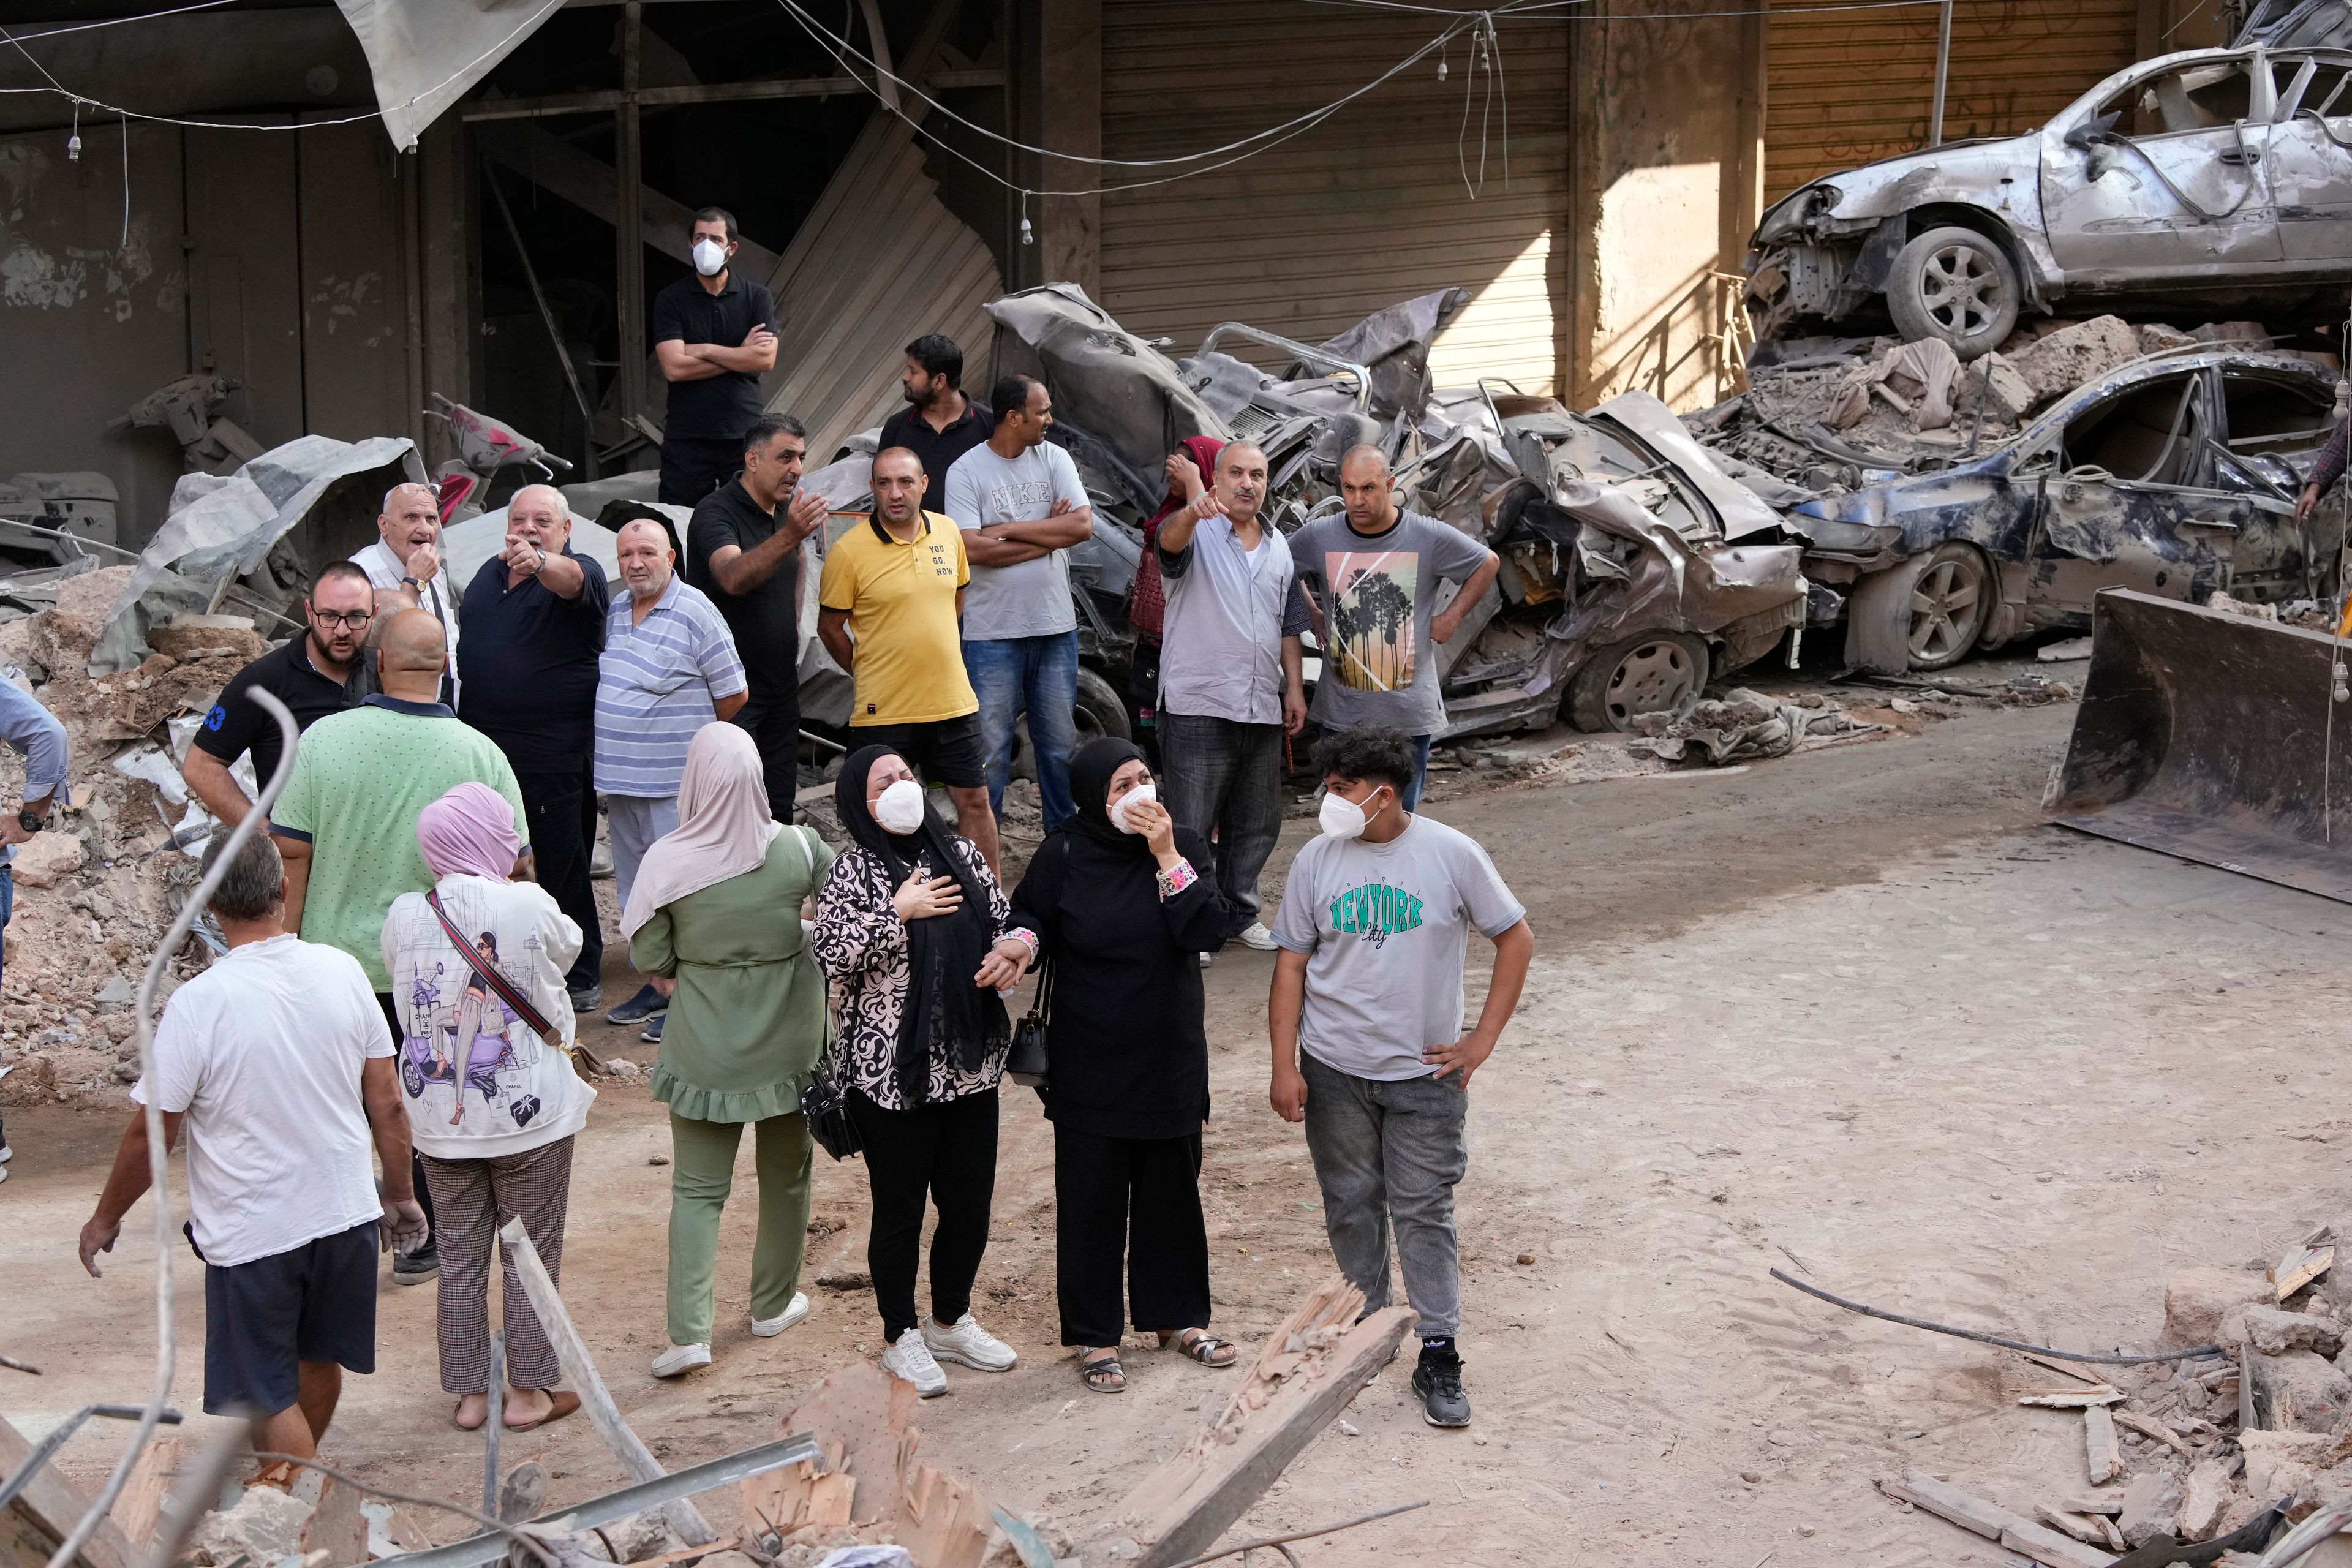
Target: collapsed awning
{"points": [[427, 54]]}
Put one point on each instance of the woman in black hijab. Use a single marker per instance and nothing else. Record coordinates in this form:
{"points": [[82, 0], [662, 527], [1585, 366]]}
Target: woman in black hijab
{"points": [[1124, 901], [903, 929]]}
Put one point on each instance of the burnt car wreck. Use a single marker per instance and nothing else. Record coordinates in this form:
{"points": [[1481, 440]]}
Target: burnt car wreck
{"points": [[2201, 178]]}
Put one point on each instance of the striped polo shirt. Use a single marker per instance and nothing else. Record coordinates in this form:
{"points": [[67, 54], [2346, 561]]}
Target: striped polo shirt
{"points": [[655, 686]]}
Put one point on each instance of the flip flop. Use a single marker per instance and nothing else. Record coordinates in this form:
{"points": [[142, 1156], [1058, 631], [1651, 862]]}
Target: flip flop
{"points": [[461, 1427], [564, 1402], [1097, 1375]]}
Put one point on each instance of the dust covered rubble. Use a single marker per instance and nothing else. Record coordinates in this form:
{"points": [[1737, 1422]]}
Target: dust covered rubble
{"points": [[2195, 1449], [98, 889]]}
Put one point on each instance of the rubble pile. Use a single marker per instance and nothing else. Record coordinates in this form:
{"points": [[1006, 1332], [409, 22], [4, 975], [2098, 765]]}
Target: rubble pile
{"points": [[2222, 1450], [1741, 726]]}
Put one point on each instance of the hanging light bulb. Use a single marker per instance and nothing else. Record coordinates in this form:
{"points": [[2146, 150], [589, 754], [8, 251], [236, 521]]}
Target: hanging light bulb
{"points": [[73, 141], [1441, 65], [1028, 235]]}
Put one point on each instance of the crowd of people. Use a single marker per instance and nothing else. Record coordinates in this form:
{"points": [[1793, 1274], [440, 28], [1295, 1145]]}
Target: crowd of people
{"points": [[414, 940]]}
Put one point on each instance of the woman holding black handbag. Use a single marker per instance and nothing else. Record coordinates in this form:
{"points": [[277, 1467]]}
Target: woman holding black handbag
{"points": [[1123, 901], [904, 927]]}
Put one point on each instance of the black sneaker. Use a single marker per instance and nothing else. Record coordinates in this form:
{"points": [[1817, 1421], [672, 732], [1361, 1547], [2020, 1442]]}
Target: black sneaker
{"points": [[645, 1005], [415, 1267], [586, 998], [1437, 1381]]}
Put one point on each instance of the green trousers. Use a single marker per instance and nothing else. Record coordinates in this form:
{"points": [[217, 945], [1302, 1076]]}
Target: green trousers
{"points": [[700, 1177]]}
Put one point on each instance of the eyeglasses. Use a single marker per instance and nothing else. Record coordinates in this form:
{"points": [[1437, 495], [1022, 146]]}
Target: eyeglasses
{"points": [[352, 618]]}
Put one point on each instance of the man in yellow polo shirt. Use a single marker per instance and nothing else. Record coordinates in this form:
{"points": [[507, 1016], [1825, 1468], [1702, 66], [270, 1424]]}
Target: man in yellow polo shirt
{"points": [[888, 608]]}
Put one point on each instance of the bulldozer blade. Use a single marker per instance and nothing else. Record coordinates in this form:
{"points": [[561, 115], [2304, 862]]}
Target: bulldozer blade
{"points": [[2211, 736]]}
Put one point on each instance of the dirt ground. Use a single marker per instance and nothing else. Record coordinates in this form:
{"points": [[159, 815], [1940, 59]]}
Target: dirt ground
{"points": [[1856, 1012]]}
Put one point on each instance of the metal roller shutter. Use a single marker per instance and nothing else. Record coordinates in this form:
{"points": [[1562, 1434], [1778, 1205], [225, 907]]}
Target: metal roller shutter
{"points": [[1846, 87], [1364, 210]]}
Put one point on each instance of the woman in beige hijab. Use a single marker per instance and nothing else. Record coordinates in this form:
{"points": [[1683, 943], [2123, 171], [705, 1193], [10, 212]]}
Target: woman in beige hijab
{"points": [[716, 908]]}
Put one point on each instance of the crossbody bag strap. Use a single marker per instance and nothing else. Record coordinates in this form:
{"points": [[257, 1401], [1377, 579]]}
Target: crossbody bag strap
{"points": [[505, 988]]}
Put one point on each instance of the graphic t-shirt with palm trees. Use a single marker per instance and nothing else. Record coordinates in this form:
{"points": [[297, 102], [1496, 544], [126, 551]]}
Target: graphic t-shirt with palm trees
{"points": [[1377, 592]]}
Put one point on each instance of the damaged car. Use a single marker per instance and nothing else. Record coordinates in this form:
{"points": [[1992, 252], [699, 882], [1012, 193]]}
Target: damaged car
{"points": [[2204, 177], [2176, 475]]}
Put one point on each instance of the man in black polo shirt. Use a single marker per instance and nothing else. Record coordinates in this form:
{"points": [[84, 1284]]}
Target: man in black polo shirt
{"points": [[534, 620], [314, 675], [714, 335], [746, 555], [943, 424]]}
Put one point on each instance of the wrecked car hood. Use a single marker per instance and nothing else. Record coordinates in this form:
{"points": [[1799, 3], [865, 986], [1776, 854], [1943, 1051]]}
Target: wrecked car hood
{"points": [[1971, 172], [1738, 511]]}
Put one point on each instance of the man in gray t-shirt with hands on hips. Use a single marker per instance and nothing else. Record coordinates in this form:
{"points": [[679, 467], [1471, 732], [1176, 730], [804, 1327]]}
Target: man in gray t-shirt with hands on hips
{"points": [[1366, 1020]]}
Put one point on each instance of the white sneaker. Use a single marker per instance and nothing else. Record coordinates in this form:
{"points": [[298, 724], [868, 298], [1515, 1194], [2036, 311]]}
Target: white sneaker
{"points": [[795, 1310], [6, 1153], [679, 1360], [969, 1344], [1256, 935], [910, 1358], [1205, 961]]}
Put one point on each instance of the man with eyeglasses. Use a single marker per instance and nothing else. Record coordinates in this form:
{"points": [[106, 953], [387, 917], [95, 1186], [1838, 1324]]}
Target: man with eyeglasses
{"points": [[314, 675]]}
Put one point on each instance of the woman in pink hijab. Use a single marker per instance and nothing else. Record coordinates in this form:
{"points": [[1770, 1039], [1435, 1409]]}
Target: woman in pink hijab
{"points": [[478, 966], [717, 907]]}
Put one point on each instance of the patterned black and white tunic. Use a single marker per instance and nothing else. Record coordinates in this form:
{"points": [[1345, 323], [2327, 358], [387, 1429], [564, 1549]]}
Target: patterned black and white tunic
{"points": [[861, 944]]}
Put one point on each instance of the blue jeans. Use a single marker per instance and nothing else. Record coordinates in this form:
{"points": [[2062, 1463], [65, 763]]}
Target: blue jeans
{"points": [[1419, 771], [1038, 677], [7, 901]]}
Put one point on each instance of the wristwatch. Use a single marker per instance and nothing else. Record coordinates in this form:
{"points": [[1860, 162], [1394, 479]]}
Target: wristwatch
{"points": [[32, 822], [415, 582]]}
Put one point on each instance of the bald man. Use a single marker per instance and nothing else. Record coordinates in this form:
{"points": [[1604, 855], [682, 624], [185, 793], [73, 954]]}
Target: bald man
{"points": [[669, 667], [534, 620], [1375, 574], [404, 566], [346, 825]]}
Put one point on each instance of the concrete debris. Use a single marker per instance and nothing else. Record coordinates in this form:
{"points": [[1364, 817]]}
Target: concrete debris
{"points": [[2299, 1392], [2195, 1299], [46, 860], [2156, 338], [2246, 607], [2275, 1332], [2063, 652], [266, 1526], [1915, 380], [2067, 358], [2203, 1496], [2008, 393], [1742, 726], [2151, 1501]]}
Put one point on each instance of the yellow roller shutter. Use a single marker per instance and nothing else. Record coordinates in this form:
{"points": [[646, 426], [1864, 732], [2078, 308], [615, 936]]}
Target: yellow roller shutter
{"points": [[1848, 86], [1365, 209]]}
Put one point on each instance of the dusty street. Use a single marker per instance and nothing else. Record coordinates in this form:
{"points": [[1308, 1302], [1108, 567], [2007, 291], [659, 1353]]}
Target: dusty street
{"points": [[1856, 1008]]}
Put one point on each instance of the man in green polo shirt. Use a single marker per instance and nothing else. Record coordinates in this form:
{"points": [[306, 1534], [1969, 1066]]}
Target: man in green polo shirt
{"points": [[346, 825]]}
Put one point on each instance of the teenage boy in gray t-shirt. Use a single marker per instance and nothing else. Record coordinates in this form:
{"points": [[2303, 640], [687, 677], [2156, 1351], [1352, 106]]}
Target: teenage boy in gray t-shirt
{"points": [[1375, 572], [1366, 1016]]}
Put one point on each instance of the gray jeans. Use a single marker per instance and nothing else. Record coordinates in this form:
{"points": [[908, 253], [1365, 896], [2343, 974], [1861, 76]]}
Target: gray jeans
{"points": [[633, 822], [1225, 777], [1391, 1153]]}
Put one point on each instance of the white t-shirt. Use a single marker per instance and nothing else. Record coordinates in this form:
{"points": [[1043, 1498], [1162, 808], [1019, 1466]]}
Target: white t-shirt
{"points": [[479, 1081], [1385, 928], [439, 595], [262, 1052], [1032, 599]]}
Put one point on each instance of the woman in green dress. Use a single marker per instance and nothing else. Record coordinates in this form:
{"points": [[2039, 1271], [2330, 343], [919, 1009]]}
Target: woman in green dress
{"points": [[717, 910]]}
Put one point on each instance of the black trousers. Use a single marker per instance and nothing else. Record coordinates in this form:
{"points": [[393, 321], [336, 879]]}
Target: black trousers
{"points": [[945, 1152], [774, 720], [553, 804], [1134, 1201], [415, 1161]]}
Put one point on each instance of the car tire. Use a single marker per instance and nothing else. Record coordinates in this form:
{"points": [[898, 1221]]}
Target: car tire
{"points": [[1955, 284], [1658, 672], [1924, 614]]}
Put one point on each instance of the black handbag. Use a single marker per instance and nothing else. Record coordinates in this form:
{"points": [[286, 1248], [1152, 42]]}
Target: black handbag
{"points": [[1024, 1062], [827, 1114]]}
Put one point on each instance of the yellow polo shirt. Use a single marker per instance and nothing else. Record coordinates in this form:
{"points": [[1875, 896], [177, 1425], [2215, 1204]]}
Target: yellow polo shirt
{"points": [[901, 600]]}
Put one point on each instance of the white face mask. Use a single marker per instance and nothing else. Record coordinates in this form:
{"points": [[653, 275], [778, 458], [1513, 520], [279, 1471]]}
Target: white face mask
{"points": [[1342, 817], [900, 809], [709, 258], [1141, 791]]}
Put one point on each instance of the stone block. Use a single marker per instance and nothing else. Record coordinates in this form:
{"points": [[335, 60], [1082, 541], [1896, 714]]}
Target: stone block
{"points": [[46, 858], [2274, 1333], [2151, 1504], [2300, 1391], [2195, 1299], [266, 1526], [2204, 1497], [2067, 358]]}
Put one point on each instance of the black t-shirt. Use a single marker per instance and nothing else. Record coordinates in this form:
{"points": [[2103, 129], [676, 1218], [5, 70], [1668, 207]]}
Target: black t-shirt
{"points": [[765, 621], [938, 449], [237, 723], [721, 407], [527, 668]]}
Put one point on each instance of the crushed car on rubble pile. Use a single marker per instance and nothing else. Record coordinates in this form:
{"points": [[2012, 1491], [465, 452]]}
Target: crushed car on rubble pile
{"points": [[2201, 178], [1634, 568]]}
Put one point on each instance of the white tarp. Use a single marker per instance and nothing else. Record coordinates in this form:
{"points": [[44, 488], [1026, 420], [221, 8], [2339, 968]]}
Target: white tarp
{"points": [[425, 53]]}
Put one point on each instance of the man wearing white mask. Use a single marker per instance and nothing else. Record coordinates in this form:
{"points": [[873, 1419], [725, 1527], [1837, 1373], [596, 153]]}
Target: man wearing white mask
{"points": [[714, 336], [1366, 1017]]}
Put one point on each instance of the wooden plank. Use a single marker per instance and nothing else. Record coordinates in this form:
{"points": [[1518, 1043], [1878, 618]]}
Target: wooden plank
{"points": [[51, 1505], [336, 1526], [2073, 1398], [944, 1521], [2103, 1456], [2051, 1549], [579, 1366], [142, 1502], [858, 1416], [2069, 1368], [2081, 1527], [1311, 1367], [2147, 1427], [1945, 1500], [2107, 1503], [2300, 1266]]}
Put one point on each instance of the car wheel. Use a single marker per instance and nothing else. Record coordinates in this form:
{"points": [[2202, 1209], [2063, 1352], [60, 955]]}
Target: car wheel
{"points": [[1659, 672], [1955, 284], [1926, 613]]}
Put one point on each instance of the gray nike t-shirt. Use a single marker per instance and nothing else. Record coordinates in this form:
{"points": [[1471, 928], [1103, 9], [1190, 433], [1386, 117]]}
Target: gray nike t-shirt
{"points": [[1385, 929]]}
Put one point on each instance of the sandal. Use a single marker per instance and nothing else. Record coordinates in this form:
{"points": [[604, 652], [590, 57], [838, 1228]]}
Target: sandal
{"points": [[1103, 1375], [563, 1403], [1205, 1347]]}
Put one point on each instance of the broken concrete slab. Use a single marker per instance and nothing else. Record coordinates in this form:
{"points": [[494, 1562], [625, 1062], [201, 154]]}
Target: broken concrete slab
{"points": [[2103, 1457], [2274, 1333], [2299, 1392], [197, 636], [2195, 1298], [2070, 356], [266, 1526], [2154, 337], [46, 858], [2151, 1502], [2009, 394], [2204, 1495]]}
